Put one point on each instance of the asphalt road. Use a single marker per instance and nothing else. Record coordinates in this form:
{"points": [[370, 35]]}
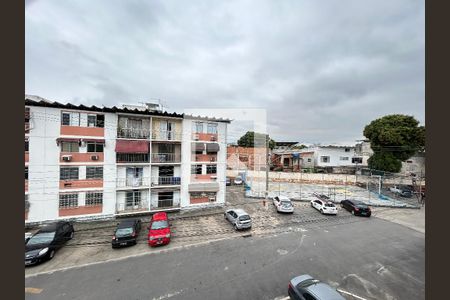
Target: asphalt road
{"points": [[373, 259]]}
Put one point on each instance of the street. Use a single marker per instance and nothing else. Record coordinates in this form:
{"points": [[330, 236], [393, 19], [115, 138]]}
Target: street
{"points": [[371, 258]]}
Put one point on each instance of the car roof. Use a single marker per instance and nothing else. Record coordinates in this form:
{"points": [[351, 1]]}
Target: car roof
{"points": [[159, 216], [324, 291], [358, 202], [240, 211], [52, 227]]}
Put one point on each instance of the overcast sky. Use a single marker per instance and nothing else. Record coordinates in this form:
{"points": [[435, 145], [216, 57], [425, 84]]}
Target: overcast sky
{"points": [[321, 69]]}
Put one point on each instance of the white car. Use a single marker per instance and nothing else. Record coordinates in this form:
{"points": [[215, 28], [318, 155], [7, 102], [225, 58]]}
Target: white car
{"points": [[283, 204], [324, 207], [238, 180]]}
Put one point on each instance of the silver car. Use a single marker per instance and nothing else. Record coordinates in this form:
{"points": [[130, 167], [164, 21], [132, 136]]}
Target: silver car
{"points": [[305, 287], [239, 218], [283, 204]]}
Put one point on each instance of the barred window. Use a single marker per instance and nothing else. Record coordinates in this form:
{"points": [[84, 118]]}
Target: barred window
{"points": [[211, 169], [70, 147], [94, 199], [67, 173], [94, 147], [68, 200], [198, 127], [196, 169], [94, 172], [212, 128]]}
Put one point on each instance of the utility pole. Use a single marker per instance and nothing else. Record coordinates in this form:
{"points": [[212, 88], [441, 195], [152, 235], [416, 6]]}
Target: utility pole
{"points": [[267, 167]]}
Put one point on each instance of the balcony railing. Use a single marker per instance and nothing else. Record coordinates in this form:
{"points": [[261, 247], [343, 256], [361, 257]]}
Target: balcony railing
{"points": [[167, 203], [133, 133], [132, 158], [166, 180], [166, 135], [132, 182], [129, 208], [166, 158], [205, 157]]}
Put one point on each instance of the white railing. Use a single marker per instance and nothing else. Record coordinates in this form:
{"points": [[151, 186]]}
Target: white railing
{"points": [[132, 158], [127, 208], [166, 158], [133, 133], [166, 180], [132, 182], [166, 135]]}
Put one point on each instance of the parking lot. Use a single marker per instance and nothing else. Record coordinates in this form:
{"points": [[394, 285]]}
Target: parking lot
{"points": [[92, 241]]}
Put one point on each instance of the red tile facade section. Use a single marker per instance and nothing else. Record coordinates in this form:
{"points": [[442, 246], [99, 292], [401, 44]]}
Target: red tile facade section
{"points": [[83, 131], [82, 210], [199, 200], [83, 183]]}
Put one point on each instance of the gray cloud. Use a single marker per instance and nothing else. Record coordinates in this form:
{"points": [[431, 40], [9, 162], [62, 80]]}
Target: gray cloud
{"points": [[323, 70]]}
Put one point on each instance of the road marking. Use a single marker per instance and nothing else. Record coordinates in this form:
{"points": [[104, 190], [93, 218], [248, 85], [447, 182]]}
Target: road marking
{"points": [[282, 298], [31, 290], [123, 258], [170, 295], [351, 294]]}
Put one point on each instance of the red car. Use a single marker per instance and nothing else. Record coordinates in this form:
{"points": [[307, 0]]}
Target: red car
{"points": [[159, 230]]}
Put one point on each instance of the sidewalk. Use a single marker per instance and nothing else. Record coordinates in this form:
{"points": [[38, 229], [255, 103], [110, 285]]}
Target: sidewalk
{"points": [[411, 218]]}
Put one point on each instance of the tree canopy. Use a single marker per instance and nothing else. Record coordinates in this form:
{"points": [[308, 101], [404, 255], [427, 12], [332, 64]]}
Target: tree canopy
{"points": [[393, 139], [248, 140]]}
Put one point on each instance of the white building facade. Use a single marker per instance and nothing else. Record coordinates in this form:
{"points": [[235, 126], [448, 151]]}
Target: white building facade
{"points": [[89, 162], [333, 156]]}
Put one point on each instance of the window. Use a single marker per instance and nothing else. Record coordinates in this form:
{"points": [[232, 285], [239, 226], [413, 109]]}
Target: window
{"points": [[196, 169], [68, 173], [70, 147], [325, 159], [356, 160], [309, 159], [92, 120], [212, 128], [166, 148], [198, 127], [101, 121], [165, 199], [68, 200], [347, 150], [94, 147], [26, 173], [133, 198], [94, 172], [70, 119], [27, 145], [343, 158], [93, 199], [286, 162], [211, 169]]}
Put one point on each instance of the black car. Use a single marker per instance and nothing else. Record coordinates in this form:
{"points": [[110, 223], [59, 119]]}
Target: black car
{"points": [[356, 207], [43, 245], [126, 233]]}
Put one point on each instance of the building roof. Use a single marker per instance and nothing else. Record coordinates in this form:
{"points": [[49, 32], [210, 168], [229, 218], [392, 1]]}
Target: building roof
{"points": [[280, 144], [207, 118]]}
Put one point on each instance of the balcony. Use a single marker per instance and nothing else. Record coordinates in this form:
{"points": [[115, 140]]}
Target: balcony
{"points": [[165, 181], [169, 203], [123, 208], [133, 133], [132, 183], [204, 157], [132, 158], [166, 135], [166, 158]]}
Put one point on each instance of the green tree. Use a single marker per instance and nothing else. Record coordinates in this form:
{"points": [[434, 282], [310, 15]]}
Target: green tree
{"points": [[393, 139], [248, 139]]}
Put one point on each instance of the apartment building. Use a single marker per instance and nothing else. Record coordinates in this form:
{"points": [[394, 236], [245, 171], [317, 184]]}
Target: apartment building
{"points": [[91, 162]]}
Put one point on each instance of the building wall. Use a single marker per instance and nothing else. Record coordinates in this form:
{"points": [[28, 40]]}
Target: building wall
{"points": [[334, 154]]}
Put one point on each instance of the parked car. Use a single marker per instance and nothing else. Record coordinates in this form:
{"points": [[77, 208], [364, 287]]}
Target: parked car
{"points": [[44, 243], [283, 204], [401, 190], [356, 207], [239, 218], [126, 233], [325, 207], [238, 180], [28, 236], [228, 181], [305, 287], [159, 230]]}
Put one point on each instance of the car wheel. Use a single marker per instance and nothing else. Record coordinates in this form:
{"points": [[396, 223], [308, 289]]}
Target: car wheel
{"points": [[321, 211], [52, 253], [353, 212]]}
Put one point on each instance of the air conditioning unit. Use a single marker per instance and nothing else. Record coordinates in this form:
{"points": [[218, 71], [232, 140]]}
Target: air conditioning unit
{"points": [[212, 199], [213, 138], [67, 157], [213, 158], [94, 157], [196, 137]]}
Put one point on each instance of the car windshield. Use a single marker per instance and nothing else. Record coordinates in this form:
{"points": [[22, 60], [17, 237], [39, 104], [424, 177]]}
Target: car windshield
{"points": [[329, 205], [244, 218], [41, 238], [159, 224], [286, 203], [124, 232], [361, 205]]}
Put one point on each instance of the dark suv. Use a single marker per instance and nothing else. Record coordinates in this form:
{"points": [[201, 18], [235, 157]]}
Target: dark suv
{"points": [[356, 207], [126, 233]]}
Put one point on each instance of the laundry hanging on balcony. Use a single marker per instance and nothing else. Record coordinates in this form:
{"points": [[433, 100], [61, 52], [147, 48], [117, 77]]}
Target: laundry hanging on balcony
{"points": [[124, 146]]}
